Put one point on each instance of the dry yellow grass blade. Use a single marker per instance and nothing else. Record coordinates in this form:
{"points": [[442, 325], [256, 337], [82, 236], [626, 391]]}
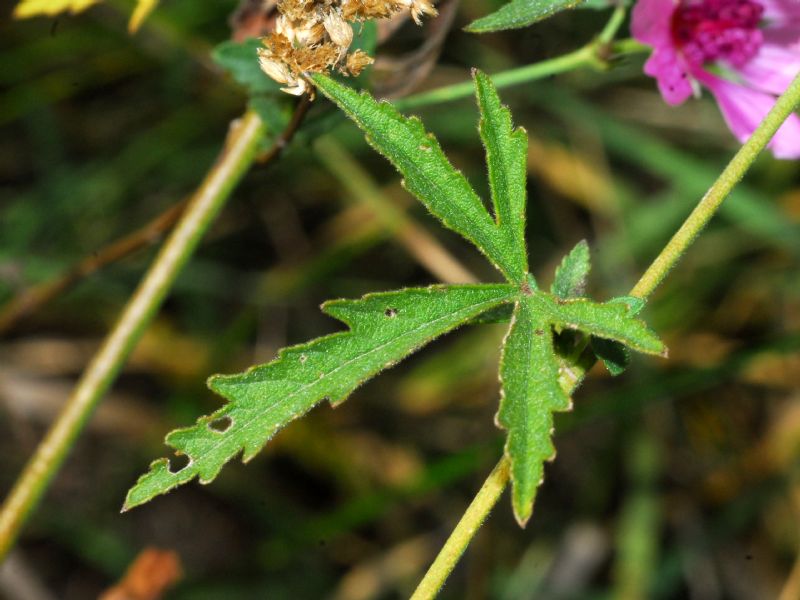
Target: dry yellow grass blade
{"points": [[33, 8], [140, 13]]}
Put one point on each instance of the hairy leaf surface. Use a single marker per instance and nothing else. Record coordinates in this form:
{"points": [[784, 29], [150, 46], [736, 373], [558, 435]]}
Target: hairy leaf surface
{"points": [[427, 172], [384, 328], [520, 13]]}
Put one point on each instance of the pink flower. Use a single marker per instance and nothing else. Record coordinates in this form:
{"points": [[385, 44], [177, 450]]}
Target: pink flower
{"points": [[746, 52]]}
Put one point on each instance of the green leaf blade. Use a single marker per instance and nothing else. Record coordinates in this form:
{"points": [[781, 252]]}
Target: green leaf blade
{"points": [[530, 394], [427, 173], [240, 59], [520, 13], [573, 272], [384, 328], [506, 160]]}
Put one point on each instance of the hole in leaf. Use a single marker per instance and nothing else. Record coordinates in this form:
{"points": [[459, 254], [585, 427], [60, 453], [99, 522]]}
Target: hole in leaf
{"points": [[390, 312], [220, 425], [178, 463]]}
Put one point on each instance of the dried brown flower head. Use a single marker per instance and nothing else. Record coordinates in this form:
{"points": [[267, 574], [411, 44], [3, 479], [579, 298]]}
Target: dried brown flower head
{"points": [[314, 36]]}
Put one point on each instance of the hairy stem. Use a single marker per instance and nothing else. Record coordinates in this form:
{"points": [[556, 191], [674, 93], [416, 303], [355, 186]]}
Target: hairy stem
{"points": [[237, 156], [492, 489], [588, 56], [720, 189], [473, 518]]}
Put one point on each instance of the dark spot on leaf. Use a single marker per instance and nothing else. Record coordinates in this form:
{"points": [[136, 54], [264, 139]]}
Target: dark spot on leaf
{"points": [[220, 425], [390, 312], [178, 463], [303, 359], [526, 288], [540, 332]]}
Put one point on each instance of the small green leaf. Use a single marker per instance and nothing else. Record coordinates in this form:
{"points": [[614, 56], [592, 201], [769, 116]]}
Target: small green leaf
{"points": [[506, 160], [614, 355], [240, 59], [520, 13], [384, 328], [428, 174], [530, 394], [572, 273]]}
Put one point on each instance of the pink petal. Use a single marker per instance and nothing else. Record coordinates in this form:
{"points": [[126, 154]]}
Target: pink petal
{"points": [[744, 109], [781, 10], [772, 69], [651, 22], [783, 35], [674, 81]]}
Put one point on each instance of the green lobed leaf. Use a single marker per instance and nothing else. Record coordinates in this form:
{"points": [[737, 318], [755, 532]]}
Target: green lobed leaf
{"points": [[529, 375], [572, 273], [520, 13], [427, 173], [384, 328], [506, 161], [530, 394]]}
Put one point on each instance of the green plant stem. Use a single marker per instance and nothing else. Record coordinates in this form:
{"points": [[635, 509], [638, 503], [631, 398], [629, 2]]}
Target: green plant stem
{"points": [[612, 27], [492, 489], [238, 154], [473, 518], [588, 56], [720, 190]]}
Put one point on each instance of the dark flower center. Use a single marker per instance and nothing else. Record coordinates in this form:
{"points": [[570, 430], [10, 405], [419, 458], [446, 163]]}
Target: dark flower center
{"points": [[711, 30]]}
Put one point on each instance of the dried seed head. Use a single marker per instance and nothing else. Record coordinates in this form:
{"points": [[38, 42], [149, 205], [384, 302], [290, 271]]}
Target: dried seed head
{"points": [[314, 36], [357, 62], [338, 29]]}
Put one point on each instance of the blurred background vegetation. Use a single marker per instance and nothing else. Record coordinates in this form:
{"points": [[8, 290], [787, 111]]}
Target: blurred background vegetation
{"points": [[679, 479]]}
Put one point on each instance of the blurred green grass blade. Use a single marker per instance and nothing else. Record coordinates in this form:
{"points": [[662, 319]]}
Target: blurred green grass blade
{"points": [[750, 209]]}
